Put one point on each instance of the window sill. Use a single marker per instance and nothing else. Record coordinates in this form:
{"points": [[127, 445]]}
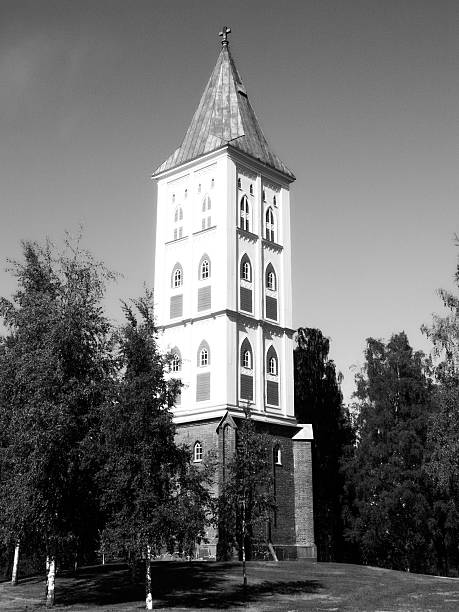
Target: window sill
{"points": [[176, 240], [206, 229]]}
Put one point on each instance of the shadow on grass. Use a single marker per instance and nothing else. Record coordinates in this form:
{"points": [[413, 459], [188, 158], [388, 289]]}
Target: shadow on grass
{"points": [[175, 584]]}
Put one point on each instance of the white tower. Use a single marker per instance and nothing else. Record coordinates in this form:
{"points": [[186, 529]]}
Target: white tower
{"points": [[223, 268]]}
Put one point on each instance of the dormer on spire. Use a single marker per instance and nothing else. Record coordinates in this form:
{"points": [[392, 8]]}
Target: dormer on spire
{"points": [[224, 34]]}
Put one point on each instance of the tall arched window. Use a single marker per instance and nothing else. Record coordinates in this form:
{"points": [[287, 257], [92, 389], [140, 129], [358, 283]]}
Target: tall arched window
{"points": [[271, 281], [204, 267], [205, 210], [269, 224], [246, 355], [245, 289], [251, 189], [197, 452], [203, 355], [246, 270], [177, 276], [239, 185], [272, 366], [246, 387], [244, 216]]}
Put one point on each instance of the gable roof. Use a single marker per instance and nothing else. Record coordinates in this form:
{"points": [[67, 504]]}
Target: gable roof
{"points": [[224, 117]]}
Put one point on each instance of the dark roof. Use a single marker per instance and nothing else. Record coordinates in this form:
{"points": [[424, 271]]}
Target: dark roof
{"points": [[224, 117]]}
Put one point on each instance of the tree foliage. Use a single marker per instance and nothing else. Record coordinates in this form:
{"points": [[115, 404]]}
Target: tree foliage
{"points": [[318, 400], [154, 498], [54, 362], [390, 510], [247, 499]]}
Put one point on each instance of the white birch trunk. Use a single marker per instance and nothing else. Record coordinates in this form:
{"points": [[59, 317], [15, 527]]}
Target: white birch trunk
{"points": [[50, 582], [148, 596], [14, 573]]}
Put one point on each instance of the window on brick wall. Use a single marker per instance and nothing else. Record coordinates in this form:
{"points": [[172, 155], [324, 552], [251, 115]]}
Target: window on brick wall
{"points": [[277, 455], [197, 452]]}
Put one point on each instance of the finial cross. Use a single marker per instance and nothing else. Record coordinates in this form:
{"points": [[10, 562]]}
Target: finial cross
{"points": [[224, 34]]}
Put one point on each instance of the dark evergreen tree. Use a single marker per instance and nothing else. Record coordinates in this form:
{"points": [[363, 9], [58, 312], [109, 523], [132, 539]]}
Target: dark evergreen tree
{"points": [[54, 362], [390, 513], [154, 498], [318, 400]]}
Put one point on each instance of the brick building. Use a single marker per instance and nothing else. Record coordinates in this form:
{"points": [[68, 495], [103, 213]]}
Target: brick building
{"points": [[223, 294]]}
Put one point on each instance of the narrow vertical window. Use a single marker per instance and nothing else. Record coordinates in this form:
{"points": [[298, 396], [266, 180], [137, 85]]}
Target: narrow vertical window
{"points": [[244, 217], [177, 276], [197, 452], [269, 225], [239, 183], [251, 189], [205, 208]]}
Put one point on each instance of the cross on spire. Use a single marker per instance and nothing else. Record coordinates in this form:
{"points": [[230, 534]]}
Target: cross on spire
{"points": [[224, 34]]}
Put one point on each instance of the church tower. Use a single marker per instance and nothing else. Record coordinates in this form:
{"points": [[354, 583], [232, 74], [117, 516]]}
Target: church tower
{"points": [[223, 294]]}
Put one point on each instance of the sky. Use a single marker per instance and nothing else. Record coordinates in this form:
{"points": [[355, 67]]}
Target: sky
{"points": [[359, 98]]}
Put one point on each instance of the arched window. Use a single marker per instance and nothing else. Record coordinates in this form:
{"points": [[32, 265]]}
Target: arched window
{"points": [[274, 201], [251, 189], [212, 183], [203, 355], [204, 268], [264, 195], [177, 276], [277, 455], [269, 224], [244, 217], [186, 193], [176, 362], [238, 183], [199, 188], [205, 210], [271, 281], [246, 354], [197, 452], [246, 270], [271, 362]]}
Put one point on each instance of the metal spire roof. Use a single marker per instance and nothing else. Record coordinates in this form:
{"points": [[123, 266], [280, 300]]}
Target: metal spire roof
{"points": [[224, 117]]}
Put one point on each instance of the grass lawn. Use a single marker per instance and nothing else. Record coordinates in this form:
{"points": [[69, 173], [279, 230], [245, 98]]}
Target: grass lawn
{"points": [[285, 586]]}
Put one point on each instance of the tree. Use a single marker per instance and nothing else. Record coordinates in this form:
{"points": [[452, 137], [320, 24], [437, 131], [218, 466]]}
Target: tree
{"points": [[54, 363], [390, 512], [247, 501], [318, 400], [153, 497], [442, 463]]}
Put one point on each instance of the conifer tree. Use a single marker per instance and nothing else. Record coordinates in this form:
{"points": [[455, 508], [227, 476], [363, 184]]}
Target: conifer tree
{"points": [[390, 513], [318, 400]]}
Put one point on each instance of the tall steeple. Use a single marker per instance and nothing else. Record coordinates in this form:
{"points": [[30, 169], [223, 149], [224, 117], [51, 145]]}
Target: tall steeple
{"points": [[225, 117]]}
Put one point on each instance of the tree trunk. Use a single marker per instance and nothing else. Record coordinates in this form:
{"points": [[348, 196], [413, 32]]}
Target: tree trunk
{"points": [[244, 569], [14, 573], [148, 597], [50, 582]]}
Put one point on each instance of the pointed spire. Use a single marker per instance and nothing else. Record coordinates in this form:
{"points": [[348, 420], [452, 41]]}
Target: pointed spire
{"points": [[224, 117]]}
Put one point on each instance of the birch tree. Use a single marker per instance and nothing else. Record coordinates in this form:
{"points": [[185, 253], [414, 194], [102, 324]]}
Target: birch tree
{"points": [[54, 364], [154, 498]]}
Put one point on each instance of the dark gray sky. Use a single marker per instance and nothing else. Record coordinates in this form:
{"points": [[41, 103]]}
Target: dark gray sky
{"points": [[359, 98]]}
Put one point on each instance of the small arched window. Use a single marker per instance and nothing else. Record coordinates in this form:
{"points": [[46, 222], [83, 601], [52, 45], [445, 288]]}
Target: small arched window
{"points": [[199, 188], [203, 355], [204, 268], [264, 195], [274, 201], [271, 281], [197, 452], [271, 362], [186, 193], [246, 269], [244, 217], [277, 455], [251, 189], [212, 183], [269, 224], [173, 197], [176, 363], [177, 276], [246, 354], [239, 183]]}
